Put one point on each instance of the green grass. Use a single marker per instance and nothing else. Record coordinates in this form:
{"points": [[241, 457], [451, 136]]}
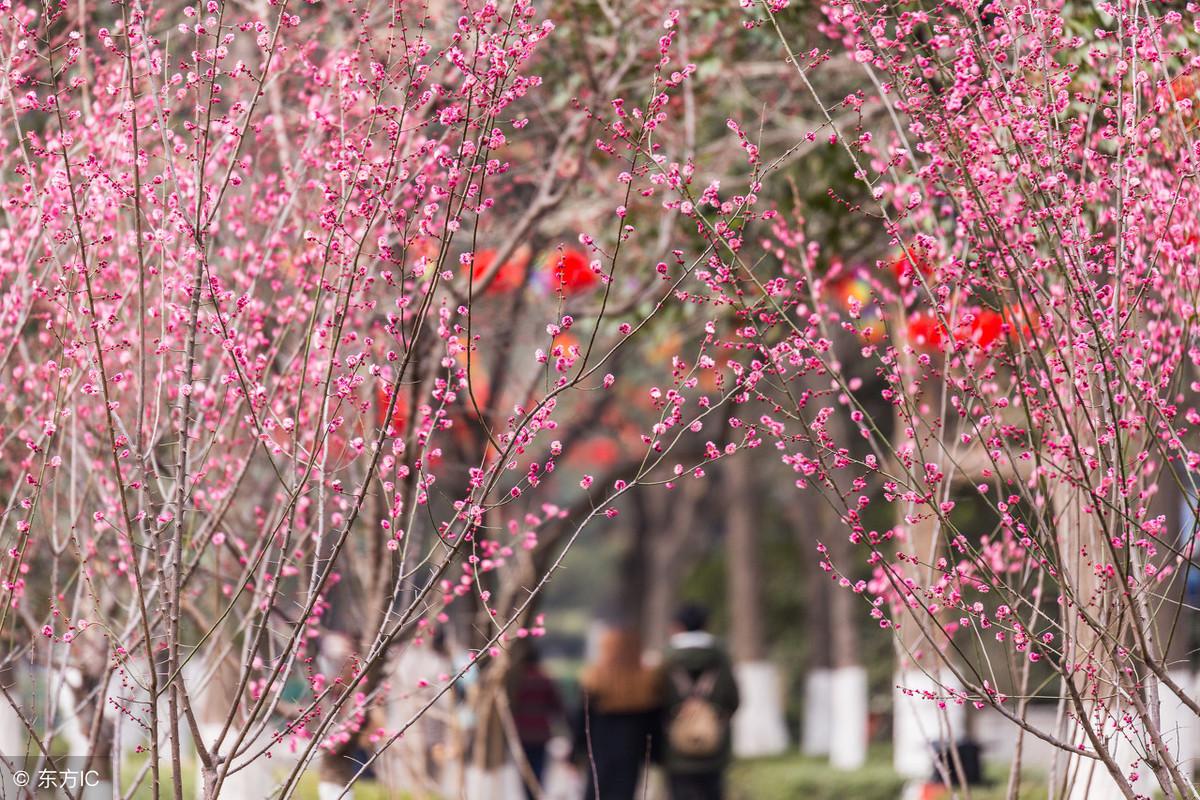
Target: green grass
{"points": [[792, 777], [786, 777], [307, 790], [796, 777], [363, 790]]}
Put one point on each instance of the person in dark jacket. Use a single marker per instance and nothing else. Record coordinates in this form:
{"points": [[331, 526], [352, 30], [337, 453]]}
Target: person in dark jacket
{"points": [[618, 724], [537, 708], [701, 696]]}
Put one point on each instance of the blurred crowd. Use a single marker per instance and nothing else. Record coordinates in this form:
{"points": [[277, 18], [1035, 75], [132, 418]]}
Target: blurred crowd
{"points": [[642, 725]]}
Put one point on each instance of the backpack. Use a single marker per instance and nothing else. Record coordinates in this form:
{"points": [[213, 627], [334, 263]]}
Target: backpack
{"points": [[697, 727]]}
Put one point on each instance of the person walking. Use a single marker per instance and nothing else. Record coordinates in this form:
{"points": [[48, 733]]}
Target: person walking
{"points": [[701, 696], [537, 708], [618, 724]]}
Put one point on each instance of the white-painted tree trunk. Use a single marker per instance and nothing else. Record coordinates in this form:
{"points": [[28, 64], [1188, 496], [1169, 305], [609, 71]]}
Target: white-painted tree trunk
{"points": [[758, 725], [1089, 779], [1179, 725], [254, 780], [68, 712], [13, 738], [817, 727], [75, 734], [562, 781], [848, 727], [919, 724], [326, 790], [96, 790], [502, 783]]}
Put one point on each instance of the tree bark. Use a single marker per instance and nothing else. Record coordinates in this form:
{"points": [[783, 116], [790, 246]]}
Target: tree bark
{"points": [[758, 725], [741, 561]]}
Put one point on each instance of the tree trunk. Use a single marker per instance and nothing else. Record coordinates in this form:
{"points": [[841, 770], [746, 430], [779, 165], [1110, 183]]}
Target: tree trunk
{"points": [[1085, 779], [918, 723], [742, 563], [848, 691], [14, 738], [758, 725], [214, 701], [1180, 728], [83, 699], [672, 518], [817, 728]]}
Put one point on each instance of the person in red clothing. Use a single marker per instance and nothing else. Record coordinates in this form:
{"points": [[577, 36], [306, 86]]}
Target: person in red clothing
{"points": [[537, 708]]}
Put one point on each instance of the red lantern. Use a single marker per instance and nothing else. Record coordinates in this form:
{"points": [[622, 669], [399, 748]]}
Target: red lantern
{"points": [[510, 276], [925, 331], [873, 332], [572, 272], [1019, 326], [983, 330], [599, 451], [1183, 87], [480, 387], [399, 421], [905, 265]]}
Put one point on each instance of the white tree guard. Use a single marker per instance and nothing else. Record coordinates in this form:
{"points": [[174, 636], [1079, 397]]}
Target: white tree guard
{"points": [[758, 726], [919, 724], [848, 726], [817, 728]]}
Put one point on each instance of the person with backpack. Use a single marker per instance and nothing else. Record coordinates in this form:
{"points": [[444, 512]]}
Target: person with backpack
{"points": [[701, 696]]}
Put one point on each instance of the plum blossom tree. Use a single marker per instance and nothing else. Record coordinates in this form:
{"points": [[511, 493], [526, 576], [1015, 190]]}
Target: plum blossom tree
{"points": [[1031, 333], [300, 339], [294, 350]]}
